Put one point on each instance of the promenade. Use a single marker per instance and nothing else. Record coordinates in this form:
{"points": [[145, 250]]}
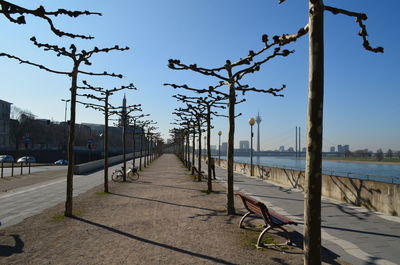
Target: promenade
{"points": [[163, 218], [354, 234], [167, 218]]}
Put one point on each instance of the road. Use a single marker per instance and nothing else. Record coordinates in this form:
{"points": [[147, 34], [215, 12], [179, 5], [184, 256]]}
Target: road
{"points": [[18, 204]]}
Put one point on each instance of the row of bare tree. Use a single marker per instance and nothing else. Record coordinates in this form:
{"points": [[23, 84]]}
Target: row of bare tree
{"points": [[231, 76], [16, 14]]}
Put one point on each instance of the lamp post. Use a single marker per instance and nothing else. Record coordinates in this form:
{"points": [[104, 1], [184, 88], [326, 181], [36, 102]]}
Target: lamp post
{"points": [[65, 123], [219, 148], [252, 121]]}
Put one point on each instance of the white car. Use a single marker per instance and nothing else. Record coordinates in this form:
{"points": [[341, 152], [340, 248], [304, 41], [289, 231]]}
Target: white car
{"points": [[26, 159], [6, 158]]}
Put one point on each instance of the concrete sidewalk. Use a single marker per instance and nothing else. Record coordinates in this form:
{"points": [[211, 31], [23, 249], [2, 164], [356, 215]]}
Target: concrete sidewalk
{"points": [[357, 235]]}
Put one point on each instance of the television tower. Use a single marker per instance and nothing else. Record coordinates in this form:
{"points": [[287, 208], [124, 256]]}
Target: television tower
{"points": [[258, 120]]}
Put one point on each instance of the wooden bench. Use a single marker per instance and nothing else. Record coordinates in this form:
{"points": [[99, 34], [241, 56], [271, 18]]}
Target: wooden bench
{"points": [[272, 219]]}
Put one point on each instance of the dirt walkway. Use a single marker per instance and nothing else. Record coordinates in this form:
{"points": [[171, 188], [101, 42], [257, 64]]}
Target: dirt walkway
{"points": [[164, 218]]}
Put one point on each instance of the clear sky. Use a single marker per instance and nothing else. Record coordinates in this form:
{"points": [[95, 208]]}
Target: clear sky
{"points": [[362, 94]]}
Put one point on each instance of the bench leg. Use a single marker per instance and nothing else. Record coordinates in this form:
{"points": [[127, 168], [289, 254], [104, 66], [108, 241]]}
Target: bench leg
{"points": [[241, 220], [260, 245]]}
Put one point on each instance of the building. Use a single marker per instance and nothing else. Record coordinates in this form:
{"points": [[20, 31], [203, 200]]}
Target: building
{"points": [[224, 147], [332, 149], [244, 145], [5, 108], [343, 148], [213, 147], [290, 149], [282, 148]]}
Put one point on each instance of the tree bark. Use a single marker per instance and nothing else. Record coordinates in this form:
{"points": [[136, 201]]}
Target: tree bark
{"points": [[124, 145], [106, 145], [141, 148], [134, 144], [71, 143], [194, 144], [199, 159], [231, 139], [209, 182], [312, 195]]}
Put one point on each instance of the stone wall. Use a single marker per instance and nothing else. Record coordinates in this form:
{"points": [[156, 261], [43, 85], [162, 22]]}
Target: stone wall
{"points": [[373, 195]]}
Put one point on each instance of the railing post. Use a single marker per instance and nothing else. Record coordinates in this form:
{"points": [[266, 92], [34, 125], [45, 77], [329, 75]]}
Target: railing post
{"points": [[29, 167], [12, 169], [22, 167], [2, 167]]}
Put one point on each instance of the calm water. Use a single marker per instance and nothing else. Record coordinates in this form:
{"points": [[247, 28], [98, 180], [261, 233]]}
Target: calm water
{"points": [[379, 172]]}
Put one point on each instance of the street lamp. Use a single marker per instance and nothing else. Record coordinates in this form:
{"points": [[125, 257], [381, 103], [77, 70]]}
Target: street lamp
{"points": [[219, 148], [252, 121]]}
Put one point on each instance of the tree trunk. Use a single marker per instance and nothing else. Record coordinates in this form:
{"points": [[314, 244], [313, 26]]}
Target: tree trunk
{"points": [[141, 148], [187, 150], [231, 138], [71, 143], [312, 194], [106, 145], [199, 159], [124, 145], [194, 144], [134, 144], [209, 182]]}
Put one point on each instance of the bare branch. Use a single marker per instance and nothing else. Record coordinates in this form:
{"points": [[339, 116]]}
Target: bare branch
{"points": [[360, 17], [9, 9], [34, 64]]}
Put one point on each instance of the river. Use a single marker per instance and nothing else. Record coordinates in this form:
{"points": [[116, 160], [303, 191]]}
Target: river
{"points": [[373, 171]]}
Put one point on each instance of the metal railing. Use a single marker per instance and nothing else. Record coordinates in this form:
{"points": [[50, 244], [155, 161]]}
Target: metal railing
{"points": [[15, 166]]}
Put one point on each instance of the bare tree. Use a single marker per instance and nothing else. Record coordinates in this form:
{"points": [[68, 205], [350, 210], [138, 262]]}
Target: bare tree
{"points": [[123, 112], [235, 72], [135, 119], [209, 103], [10, 10], [312, 193], [197, 113], [77, 58], [104, 98]]}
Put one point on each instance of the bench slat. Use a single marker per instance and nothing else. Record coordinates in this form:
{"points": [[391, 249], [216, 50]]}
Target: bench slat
{"points": [[257, 208]]}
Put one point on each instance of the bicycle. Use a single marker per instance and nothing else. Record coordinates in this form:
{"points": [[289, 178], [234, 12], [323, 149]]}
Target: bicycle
{"points": [[118, 174]]}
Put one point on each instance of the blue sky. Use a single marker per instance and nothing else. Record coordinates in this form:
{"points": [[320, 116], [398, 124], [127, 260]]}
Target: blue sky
{"points": [[361, 105]]}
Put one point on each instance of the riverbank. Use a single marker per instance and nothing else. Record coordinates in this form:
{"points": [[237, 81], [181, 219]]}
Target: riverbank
{"points": [[361, 160]]}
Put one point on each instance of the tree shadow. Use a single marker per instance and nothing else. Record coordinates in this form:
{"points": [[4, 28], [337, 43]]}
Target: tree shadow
{"points": [[6, 250], [154, 243], [353, 194], [164, 202]]}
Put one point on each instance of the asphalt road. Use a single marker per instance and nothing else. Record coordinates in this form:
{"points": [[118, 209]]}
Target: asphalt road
{"points": [[18, 204]]}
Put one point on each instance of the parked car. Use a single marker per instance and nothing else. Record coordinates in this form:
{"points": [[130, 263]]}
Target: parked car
{"points": [[26, 159], [6, 158], [61, 162]]}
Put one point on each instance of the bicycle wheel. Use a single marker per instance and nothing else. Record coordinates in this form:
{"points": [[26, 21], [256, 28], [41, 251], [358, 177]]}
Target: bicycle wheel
{"points": [[116, 176], [133, 175]]}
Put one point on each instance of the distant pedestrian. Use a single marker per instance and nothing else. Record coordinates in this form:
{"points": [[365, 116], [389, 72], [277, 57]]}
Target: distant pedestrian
{"points": [[212, 165]]}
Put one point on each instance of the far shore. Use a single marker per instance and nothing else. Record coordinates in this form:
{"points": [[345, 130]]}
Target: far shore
{"points": [[362, 161]]}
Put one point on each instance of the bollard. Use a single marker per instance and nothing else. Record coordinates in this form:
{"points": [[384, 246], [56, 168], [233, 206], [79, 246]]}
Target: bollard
{"points": [[29, 168], [2, 167], [21, 168], [12, 169]]}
